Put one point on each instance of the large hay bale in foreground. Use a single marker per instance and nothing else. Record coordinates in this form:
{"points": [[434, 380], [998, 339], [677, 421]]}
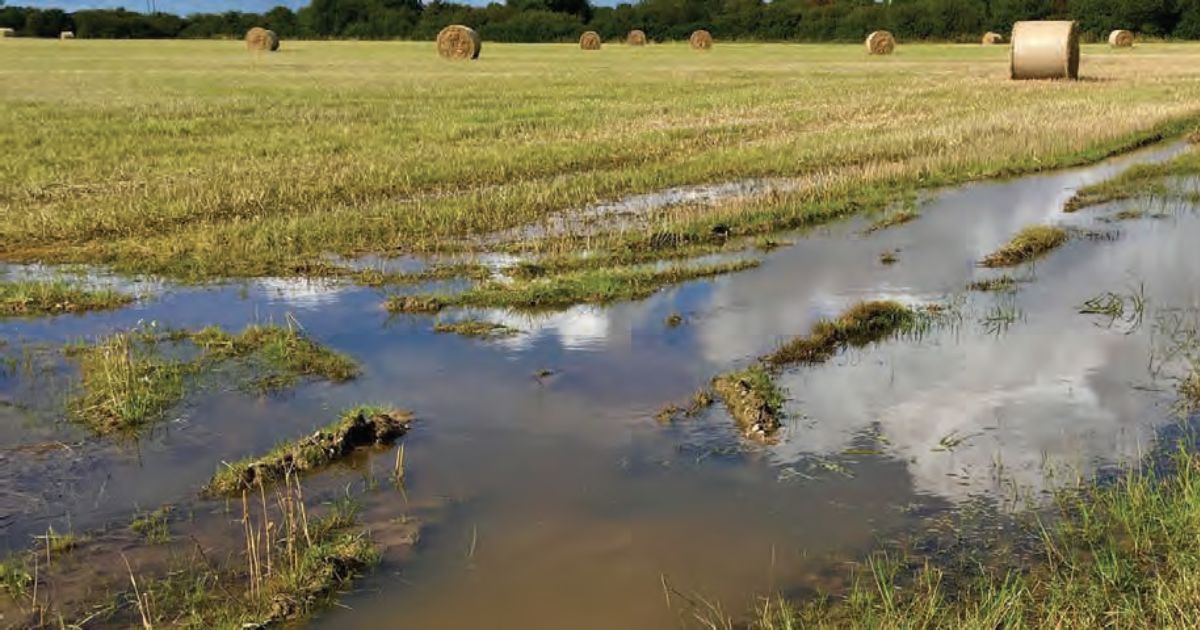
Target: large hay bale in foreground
{"points": [[590, 41], [636, 38], [259, 38], [701, 40], [459, 42], [991, 39], [1120, 38], [66, 35], [880, 43], [7, 32], [1044, 50]]}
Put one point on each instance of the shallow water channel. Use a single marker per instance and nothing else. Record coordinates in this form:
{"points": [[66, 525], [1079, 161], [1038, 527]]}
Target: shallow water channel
{"points": [[561, 502]]}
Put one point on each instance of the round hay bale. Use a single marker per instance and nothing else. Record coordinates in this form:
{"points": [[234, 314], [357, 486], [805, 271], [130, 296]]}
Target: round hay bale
{"points": [[1120, 38], [259, 38], [7, 32], [1044, 50], [991, 39], [881, 43], [66, 35], [459, 42], [701, 40], [636, 38], [590, 41]]}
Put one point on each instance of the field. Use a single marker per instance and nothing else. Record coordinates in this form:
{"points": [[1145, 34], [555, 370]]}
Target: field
{"points": [[959, 403], [196, 160]]}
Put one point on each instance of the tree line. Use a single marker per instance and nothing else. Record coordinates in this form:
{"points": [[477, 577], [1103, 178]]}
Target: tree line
{"points": [[565, 20]]}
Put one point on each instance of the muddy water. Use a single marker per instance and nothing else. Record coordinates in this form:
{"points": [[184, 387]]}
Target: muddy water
{"points": [[563, 503]]}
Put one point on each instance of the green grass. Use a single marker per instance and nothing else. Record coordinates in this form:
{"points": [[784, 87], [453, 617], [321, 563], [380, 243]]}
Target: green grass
{"points": [[51, 297], [1118, 555], [998, 284], [195, 160], [859, 325], [124, 385], [128, 382], [154, 527], [282, 355], [311, 561], [357, 427], [1029, 243], [1141, 181], [593, 286], [475, 328], [754, 400]]}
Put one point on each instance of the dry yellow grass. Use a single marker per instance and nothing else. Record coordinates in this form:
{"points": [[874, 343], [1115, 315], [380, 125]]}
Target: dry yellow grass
{"points": [[173, 168]]}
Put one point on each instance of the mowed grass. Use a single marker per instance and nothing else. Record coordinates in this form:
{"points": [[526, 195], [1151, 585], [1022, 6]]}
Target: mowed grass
{"points": [[196, 160]]}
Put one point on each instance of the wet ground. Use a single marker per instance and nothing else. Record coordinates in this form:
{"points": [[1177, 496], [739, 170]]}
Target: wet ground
{"points": [[560, 501]]}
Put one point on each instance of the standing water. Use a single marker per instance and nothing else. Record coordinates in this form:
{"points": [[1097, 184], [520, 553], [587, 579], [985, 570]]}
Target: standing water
{"points": [[549, 493]]}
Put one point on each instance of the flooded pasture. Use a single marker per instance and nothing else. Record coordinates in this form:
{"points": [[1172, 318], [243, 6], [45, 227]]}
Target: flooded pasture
{"points": [[548, 493]]}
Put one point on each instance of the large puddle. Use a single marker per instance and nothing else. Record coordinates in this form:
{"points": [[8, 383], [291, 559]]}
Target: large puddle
{"points": [[562, 502]]}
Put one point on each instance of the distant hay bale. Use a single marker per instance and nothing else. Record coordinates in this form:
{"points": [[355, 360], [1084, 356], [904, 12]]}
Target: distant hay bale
{"points": [[1120, 38], [701, 40], [7, 32], [991, 39], [459, 42], [636, 38], [66, 35], [881, 43], [259, 38], [590, 41], [1044, 50]]}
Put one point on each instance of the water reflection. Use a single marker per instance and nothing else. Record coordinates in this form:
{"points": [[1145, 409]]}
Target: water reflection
{"points": [[575, 497]]}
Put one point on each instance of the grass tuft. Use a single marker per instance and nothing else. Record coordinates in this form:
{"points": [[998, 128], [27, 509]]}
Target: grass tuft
{"points": [[357, 427], [475, 328], [753, 399], [861, 324], [591, 286], [52, 297], [1031, 242], [126, 383]]}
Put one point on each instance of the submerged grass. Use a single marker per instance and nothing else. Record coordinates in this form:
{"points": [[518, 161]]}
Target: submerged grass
{"points": [[998, 284], [128, 381], [124, 384], [861, 324], [751, 395], [1029, 243], [52, 297], [357, 427], [475, 328], [1118, 555], [596, 286], [894, 218]]}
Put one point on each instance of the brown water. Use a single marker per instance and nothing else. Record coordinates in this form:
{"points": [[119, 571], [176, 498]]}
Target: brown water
{"points": [[561, 502]]}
